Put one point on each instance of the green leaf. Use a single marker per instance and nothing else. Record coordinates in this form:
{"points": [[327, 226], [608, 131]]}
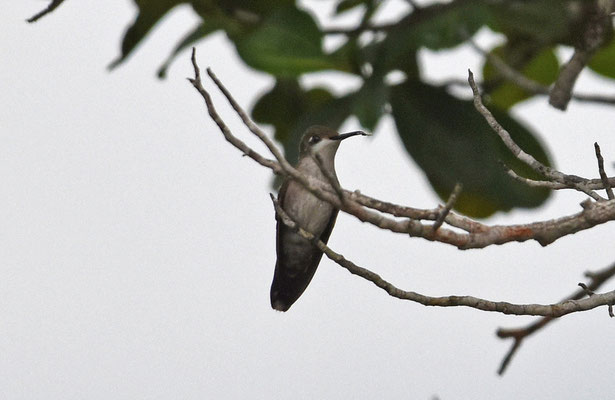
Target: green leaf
{"points": [[150, 13], [287, 43], [451, 142], [242, 8], [369, 102], [346, 5], [353, 54], [281, 107], [453, 27], [201, 30], [439, 26], [541, 66], [603, 62], [545, 21]]}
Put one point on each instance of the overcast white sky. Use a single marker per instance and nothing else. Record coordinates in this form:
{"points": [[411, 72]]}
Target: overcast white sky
{"points": [[137, 247]]}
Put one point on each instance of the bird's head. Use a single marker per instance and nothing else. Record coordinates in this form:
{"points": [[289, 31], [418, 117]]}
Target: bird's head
{"points": [[323, 140]]}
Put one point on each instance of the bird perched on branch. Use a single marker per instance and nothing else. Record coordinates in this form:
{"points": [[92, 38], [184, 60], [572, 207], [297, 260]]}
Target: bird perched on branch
{"points": [[298, 258]]}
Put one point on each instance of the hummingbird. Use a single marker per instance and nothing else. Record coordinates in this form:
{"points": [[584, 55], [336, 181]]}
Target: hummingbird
{"points": [[298, 258]]}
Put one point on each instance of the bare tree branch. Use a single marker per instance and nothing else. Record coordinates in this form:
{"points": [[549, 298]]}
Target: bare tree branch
{"points": [[561, 92], [474, 235], [547, 310], [573, 181], [591, 184], [596, 30], [523, 82], [196, 82], [543, 91], [597, 279], [246, 119]]}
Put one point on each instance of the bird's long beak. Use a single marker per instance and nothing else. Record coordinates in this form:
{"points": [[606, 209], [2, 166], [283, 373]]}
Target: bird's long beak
{"points": [[349, 134]]}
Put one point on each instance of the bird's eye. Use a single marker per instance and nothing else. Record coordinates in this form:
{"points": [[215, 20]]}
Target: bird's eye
{"points": [[314, 139]]}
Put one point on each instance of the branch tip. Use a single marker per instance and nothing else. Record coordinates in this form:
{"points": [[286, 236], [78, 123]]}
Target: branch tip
{"points": [[508, 357], [52, 6], [603, 175], [586, 289], [450, 203]]}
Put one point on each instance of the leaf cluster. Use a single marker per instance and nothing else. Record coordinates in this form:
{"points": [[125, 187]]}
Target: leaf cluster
{"points": [[442, 133]]}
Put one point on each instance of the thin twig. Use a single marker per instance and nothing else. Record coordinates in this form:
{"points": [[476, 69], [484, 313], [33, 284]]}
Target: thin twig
{"points": [[52, 6], [244, 148], [581, 97], [248, 122], [506, 138], [603, 176], [452, 199], [590, 184], [359, 29], [533, 182], [509, 355], [593, 98], [587, 290]]}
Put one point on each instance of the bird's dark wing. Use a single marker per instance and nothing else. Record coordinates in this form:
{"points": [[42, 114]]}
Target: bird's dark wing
{"points": [[280, 226], [327, 232], [290, 283]]}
